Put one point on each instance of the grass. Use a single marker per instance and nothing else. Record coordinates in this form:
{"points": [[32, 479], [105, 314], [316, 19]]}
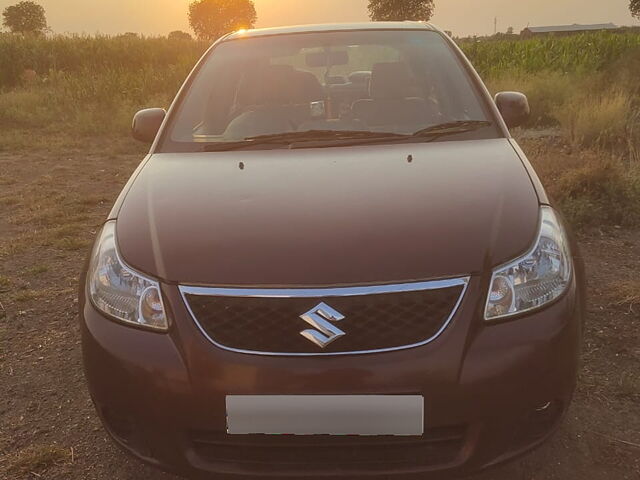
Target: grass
{"points": [[36, 460], [593, 171], [592, 187], [37, 270], [596, 119], [23, 296], [87, 84], [625, 293], [546, 92], [600, 109], [86, 102]]}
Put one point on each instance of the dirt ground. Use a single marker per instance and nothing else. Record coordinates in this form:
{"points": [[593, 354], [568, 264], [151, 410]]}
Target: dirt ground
{"points": [[51, 201]]}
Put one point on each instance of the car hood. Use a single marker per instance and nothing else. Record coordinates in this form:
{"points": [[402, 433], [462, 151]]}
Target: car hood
{"points": [[332, 216]]}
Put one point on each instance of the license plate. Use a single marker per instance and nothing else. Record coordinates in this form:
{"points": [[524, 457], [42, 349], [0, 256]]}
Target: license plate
{"points": [[325, 414]]}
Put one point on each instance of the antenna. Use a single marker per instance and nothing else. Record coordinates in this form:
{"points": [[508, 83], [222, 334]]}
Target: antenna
{"points": [[495, 25]]}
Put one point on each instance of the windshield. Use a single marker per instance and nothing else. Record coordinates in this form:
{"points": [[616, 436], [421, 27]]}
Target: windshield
{"points": [[308, 86]]}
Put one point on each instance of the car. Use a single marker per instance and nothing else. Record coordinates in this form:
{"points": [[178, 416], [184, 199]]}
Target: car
{"points": [[334, 262]]}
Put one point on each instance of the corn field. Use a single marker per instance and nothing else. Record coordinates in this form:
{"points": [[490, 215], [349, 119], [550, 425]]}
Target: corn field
{"points": [[573, 54], [90, 54], [576, 54]]}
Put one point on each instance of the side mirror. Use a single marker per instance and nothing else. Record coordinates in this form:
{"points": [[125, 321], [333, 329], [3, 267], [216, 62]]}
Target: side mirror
{"points": [[514, 108], [146, 124]]}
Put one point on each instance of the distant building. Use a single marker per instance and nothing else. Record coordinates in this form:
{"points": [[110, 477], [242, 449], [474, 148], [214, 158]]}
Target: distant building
{"points": [[567, 29]]}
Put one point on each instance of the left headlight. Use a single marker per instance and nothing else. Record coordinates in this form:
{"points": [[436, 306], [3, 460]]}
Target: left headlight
{"points": [[119, 291], [537, 278]]}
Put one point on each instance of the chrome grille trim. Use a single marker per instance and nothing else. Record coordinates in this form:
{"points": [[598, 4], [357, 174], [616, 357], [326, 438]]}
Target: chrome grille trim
{"points": [[324, 292]]}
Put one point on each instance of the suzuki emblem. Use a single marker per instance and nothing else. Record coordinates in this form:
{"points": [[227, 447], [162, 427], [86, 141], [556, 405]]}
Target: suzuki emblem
{"points": [[320, 318]]}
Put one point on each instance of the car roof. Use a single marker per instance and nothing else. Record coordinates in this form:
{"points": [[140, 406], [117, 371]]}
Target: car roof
{"points": [[329, 27]]}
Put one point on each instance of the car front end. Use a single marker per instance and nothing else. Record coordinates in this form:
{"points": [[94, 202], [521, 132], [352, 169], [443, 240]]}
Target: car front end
{"points": [[373, 304]]}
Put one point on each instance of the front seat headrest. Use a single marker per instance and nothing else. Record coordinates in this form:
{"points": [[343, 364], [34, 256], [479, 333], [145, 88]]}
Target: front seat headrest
{"points": [[392, 80]]}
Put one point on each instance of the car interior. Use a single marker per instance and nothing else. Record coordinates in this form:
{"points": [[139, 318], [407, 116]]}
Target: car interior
{"points": [[298, 85], [262, 97]]}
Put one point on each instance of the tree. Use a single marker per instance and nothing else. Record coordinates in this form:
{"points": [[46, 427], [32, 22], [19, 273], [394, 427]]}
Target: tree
{"points": [[510, 31], [400, 10], [210, 19], [25, 17], [179, 35], [634, 6]]}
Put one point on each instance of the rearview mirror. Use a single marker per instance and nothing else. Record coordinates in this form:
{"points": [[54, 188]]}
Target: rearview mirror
{"points": [[327, 59], [146, 124], [514, 108]]}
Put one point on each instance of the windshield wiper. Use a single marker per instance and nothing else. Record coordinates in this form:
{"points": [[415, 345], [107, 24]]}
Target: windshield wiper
{"points": [[450, 128], [289, 138], [348, 137]]}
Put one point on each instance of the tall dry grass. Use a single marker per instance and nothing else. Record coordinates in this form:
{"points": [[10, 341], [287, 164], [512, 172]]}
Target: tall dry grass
{"points": [[597, 119], [600, 109], [593, 188], [85, 84]]}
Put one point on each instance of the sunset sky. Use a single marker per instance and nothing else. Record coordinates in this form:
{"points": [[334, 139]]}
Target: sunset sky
{"points": [[463, 17]]}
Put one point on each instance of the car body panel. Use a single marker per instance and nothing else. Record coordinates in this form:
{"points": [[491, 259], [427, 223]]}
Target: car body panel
{"points": [[327, 27], [355, 215], [488, 378], [535, 179]]}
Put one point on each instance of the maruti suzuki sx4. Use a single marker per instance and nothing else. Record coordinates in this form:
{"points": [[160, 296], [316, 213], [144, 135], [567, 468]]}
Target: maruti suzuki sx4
{"points": [[335, 262]]}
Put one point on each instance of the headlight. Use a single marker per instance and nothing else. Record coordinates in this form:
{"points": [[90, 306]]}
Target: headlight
{"points": [[537, 278], [120, 292]]}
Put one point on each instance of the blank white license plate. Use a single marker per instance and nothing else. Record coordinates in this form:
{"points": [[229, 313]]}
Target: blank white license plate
{"points": [[325, 414]]}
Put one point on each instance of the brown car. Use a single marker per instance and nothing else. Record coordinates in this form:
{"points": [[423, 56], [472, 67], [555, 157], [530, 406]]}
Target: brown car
{"points": [[335, 262]]}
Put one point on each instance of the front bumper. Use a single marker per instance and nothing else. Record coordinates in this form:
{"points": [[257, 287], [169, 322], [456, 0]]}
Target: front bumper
{"points": [[491, 392]]}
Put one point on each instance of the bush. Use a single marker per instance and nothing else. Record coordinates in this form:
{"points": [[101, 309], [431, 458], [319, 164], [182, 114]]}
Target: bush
{"points": [[590, 119], [592, 188]]}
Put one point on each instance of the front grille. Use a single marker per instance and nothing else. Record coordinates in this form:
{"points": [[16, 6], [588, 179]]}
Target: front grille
{"points": [[272, 323], [437, 447]]}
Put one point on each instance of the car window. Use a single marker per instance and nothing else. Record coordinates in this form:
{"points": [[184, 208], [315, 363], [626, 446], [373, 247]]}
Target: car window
{"points": [[374, 81]]}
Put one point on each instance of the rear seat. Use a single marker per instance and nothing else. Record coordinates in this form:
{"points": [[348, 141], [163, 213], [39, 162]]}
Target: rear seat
{"points": [[395, 98]]}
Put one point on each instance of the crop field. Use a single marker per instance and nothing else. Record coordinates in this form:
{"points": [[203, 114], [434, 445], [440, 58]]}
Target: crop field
{"points": [[582, 54], [65, 109]]}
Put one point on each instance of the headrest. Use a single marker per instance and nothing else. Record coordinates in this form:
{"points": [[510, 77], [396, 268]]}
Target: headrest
{"points": [[265, 85], [392, 81], [360, 77], [280, 85], [307, 88]]}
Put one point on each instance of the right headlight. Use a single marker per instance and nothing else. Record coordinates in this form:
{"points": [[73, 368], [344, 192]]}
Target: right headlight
{"points": [[537, 278], [119, 291]]}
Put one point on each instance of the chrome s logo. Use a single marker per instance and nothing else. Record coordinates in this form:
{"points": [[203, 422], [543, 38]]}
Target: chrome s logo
{"points": [[324, 332]]}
